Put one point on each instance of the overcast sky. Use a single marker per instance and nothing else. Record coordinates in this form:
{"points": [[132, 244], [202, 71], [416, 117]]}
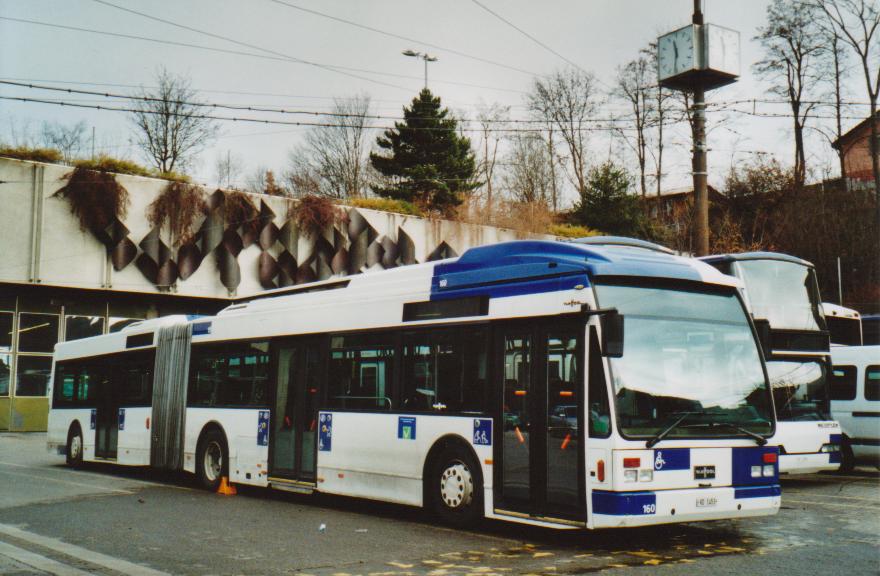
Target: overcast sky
{"points": [[597, 35]]}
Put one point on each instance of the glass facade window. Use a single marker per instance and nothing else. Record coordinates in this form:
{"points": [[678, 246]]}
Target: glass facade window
{"points": [[37, 332], [76, 327], [117, 323], [6, 321], [32, 375], [5, 373]]}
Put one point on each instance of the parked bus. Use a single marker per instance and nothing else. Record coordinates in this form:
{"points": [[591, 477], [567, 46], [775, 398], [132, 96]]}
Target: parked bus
{"points": [[844, 325], [500, 384], [855, 402], [782, 294]]}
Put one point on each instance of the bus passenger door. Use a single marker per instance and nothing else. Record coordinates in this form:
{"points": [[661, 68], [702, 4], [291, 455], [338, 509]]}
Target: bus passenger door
{"points": [[106, 413], [292, 443], [539, 455]]}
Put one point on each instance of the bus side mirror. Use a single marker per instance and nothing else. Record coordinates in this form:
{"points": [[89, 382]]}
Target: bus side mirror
{"points": [[762, 327], [612, 334]]}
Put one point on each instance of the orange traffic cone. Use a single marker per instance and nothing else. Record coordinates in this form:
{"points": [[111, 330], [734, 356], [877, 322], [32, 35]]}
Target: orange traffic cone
{"points": [[226, 488]]}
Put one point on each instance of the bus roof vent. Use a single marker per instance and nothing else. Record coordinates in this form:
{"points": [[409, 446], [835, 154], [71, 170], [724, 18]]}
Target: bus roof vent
{"points": [[622, 241]]}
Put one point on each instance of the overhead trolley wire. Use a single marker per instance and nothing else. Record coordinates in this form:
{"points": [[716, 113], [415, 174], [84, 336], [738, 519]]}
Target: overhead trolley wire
{"points": [[401, 37]]}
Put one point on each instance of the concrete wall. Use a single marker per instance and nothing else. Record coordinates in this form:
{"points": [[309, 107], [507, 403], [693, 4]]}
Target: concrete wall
{"points": [[41, 241]]}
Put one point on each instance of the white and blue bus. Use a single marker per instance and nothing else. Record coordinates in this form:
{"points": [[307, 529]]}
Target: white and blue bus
{"points": [[499, 384], [782, 294]]}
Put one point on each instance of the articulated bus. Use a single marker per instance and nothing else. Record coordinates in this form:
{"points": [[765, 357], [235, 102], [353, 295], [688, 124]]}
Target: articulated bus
{"points": [[782, 294], [499, 384]]}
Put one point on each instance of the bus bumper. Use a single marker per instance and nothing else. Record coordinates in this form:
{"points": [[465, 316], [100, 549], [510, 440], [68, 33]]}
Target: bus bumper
{"points": [[619, 509], [808, 463]]}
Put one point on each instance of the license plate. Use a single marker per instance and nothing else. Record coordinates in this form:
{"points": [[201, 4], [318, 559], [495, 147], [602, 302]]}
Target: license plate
{"points": [[707, 501]]}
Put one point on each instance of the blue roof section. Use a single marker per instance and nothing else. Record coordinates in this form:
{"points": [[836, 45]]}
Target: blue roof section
{"points": [[522, 261], [717, 258]]}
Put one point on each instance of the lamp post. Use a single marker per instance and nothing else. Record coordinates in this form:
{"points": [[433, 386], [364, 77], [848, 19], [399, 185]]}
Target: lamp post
{"points": [[424, 56]]}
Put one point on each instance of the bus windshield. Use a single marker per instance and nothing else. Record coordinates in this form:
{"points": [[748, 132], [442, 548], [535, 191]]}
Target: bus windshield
{"points": [[799, 390], [784, 293], [686, 353]]}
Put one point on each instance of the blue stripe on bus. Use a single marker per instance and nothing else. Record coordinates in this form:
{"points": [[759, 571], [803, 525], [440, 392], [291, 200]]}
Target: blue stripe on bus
{"points": [[672, 459], [745, 458], [835, 439], [624, 503], [514, 288], [757, 491], [834, 457], [201, 328]]}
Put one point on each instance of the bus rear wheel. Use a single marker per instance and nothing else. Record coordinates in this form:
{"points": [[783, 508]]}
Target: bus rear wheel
{"points": [[456, 490], [74, 447], [212, 460]]}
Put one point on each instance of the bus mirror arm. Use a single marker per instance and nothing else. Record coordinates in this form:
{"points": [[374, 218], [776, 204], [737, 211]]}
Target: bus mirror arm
{"points": [[611, 322]]}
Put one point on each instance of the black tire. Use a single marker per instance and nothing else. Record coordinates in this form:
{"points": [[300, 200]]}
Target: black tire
{"points": [[847, 458], [455, 487], [74, 447], [209, 471]]}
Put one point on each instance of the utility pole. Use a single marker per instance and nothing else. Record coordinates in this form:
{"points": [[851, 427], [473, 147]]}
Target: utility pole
{"points": [[93, 142], [701, 185]]}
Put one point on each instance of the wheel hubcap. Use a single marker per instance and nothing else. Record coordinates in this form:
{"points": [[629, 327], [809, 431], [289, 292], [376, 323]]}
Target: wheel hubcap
{"points": [[457, 485], [213, 461], [74, 447]]}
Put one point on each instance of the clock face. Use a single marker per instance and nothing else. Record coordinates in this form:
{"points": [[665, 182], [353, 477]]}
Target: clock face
{"points": [[675, 52], [723, 49]]}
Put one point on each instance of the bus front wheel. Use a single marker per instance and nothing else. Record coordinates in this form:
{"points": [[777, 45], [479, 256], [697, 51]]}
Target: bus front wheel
{"points": [[212, 460], [74, 447], [456, 489]]}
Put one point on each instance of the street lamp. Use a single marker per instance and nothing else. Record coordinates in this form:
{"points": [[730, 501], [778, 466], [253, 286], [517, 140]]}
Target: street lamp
{"points": [[426, 57]]}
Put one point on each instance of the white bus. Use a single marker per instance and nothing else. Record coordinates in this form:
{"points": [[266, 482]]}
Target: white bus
{"points": [[844, 325], [782, 294], [855, 402], [498, 384]]}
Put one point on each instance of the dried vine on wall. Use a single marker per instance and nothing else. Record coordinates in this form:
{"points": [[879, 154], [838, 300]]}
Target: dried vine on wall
{"points": [[314, 214], [95, 198], [177, 207]]}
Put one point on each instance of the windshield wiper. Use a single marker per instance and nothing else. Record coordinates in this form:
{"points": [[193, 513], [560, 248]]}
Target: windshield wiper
{"points": [[665, 432], [759, 440]]}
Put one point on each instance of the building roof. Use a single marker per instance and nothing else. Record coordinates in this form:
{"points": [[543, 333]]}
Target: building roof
{"points": [[853, 132]]}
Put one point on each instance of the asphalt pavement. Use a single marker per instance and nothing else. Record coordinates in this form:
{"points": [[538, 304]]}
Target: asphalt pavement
{"points": [[109, 520]]}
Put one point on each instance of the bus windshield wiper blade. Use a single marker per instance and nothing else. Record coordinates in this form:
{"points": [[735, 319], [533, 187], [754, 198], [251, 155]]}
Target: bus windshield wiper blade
{"points": [[665, 432], [759, 440]]}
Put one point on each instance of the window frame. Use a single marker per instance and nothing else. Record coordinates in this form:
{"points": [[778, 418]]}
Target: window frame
{"points": [[875, 384]]}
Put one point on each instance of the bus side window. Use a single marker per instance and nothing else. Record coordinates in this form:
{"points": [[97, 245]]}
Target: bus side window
{"points": [[65, 385], [361, 372], [843, 383], [445, 371], [599, 413]]}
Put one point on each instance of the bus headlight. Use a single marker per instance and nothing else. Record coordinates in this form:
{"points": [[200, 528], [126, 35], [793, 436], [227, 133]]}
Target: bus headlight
{"points": [[769, 470], [630, 475], [826, 448], [756, 471], [646, 475]]}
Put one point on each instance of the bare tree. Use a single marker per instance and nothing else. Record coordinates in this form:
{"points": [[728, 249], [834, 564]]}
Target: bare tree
{"points": [[171, 126], [228, 169], [856, 22], [568, 100], [529, 178], [636, 84], [491, 120], [69, 140], [333, 160], [792, 62]]}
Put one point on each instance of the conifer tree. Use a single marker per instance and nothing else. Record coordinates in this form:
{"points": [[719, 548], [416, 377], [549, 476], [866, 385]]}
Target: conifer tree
{"points": [[429, 164]]}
